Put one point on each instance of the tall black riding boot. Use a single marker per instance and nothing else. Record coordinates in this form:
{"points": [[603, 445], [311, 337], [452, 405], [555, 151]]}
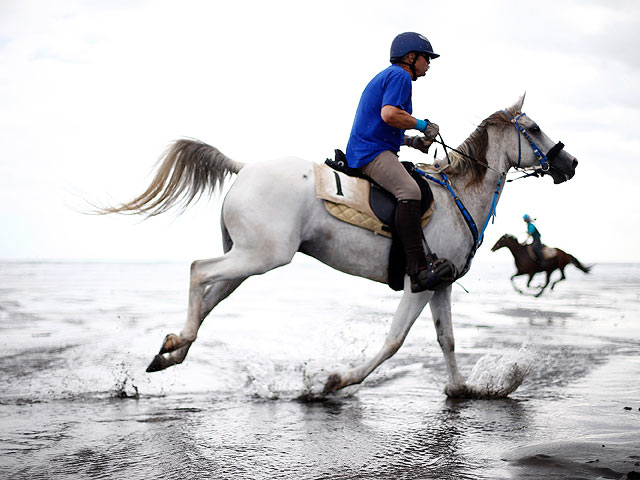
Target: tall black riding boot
{"points": [[537, 252], [409, 230]]}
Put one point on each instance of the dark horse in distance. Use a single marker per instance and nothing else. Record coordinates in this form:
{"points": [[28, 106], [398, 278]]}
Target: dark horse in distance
{"points": [[554, 259]]}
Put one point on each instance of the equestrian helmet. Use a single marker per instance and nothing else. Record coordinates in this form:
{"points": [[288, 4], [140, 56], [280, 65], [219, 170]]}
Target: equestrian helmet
{"points": [[526, 217], [411, 42]]}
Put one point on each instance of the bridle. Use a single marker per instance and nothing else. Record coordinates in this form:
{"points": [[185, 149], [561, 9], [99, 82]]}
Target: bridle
{"points": [[545, 160], [476, 233]]}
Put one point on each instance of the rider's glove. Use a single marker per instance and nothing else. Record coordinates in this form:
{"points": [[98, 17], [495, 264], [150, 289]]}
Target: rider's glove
{"points": [[420, 143], [431, 131]]}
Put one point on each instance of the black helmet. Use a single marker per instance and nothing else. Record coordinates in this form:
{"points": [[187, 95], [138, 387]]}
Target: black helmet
{"points": [[410, 42]]}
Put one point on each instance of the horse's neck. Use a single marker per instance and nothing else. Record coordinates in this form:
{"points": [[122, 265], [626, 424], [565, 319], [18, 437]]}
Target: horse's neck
{"points": [[515, 248]]}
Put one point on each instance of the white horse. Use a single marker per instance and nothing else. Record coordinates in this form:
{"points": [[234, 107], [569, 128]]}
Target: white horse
{"points": [[271, 212]]}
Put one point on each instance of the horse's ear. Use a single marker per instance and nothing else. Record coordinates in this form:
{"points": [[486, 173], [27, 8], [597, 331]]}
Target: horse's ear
{"points": [[516, 108], [518, 104]]}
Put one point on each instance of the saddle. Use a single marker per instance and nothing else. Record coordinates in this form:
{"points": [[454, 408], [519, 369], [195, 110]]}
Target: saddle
{"points": [[358, 192], [352, 197], [547, 252]]}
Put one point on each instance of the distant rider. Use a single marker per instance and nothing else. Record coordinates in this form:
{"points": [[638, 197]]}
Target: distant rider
{"points": [[536, 244], [383, 114]]}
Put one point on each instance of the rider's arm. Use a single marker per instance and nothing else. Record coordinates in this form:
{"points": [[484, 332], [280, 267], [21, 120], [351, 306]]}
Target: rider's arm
{"points": [[398, 118], [529, 236]]}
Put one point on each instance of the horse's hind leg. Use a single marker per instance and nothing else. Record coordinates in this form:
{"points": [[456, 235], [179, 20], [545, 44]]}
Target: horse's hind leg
{"points": [[174, 347], [562, 277], [212, 297], [211, 282], [408, 311]]}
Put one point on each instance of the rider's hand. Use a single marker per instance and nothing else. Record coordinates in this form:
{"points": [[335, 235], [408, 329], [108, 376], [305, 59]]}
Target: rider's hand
{"points": [[420, 143], [431, 131]]}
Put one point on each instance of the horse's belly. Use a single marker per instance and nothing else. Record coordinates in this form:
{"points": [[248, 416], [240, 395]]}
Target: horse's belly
{"points": [[345, 247]]}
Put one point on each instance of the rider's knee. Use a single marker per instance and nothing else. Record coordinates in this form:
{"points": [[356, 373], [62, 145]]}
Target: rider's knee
{"points": [[410, 191]]}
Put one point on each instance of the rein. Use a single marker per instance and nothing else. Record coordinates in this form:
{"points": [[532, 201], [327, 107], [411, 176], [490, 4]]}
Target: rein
{"points": [[535, 173], [545, 160], [446, 153]]}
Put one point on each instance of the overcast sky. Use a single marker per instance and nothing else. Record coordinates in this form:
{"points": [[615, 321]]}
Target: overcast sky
{"points": [[91, 93]]}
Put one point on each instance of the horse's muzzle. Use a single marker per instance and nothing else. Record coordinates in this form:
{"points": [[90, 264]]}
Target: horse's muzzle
{"points": [[561, 175], [562, 166]]}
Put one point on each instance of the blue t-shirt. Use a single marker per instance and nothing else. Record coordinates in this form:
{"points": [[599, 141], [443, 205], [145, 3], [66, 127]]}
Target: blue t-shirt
{"points": [[533, 231], [370, 135]]}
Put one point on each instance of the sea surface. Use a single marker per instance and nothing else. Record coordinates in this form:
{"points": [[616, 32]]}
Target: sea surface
{"points": [[75, 401]]}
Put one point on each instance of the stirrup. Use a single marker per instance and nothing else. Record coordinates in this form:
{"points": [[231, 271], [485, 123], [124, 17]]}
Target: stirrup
{"points": [[438, 274]]}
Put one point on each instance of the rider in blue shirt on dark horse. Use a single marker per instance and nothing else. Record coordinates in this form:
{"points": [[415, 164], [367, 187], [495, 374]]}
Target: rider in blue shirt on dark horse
{"points": [[536, 243], [383, 115]]}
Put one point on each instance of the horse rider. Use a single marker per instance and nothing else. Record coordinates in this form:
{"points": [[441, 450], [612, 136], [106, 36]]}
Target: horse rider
{"points": [[536, 244], [382, 116]]}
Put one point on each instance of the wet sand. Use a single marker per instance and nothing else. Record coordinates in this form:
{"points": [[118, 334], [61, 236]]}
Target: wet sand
{"points": [[75, 401]]}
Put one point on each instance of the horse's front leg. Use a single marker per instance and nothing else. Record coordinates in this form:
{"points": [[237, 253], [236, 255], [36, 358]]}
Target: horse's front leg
{"points": [[441, 312], [408, 311], [531, 275], [545, 285], [513, 283]]}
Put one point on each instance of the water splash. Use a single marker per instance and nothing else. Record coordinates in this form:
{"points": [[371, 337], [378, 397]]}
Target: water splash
{"points": [[498, 375], [124, 386], [272, 380], [302, 381], [314, 380]]}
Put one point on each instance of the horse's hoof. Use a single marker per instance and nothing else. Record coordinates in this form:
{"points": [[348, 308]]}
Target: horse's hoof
{"points": [[458, 391], [158, 363], [170, 343], [333, 383]]}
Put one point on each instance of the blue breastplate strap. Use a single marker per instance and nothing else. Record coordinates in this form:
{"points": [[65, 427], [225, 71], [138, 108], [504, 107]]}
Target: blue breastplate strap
{"points": [[465, 213], [478, 236]]}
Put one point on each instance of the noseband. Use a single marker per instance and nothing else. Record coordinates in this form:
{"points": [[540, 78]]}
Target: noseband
{"points": [[545, 160]]}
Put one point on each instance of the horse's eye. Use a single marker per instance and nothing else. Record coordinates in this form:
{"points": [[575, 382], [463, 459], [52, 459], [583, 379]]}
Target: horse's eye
{"points": [[535, 129]]}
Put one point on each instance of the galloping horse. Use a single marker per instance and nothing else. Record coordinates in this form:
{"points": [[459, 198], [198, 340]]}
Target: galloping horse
{"points": [[271, 212], [526, 265]]}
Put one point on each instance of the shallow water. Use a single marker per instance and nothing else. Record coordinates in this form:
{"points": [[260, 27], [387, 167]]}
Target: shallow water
{"points": [[75, 401]]}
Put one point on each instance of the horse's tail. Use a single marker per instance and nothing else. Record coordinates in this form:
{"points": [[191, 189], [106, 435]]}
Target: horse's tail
{"points": [[576, 262], [188, 169]]}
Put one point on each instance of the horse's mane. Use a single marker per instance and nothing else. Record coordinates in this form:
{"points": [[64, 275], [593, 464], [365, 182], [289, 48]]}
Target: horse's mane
{"points": [[475, 146]]}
